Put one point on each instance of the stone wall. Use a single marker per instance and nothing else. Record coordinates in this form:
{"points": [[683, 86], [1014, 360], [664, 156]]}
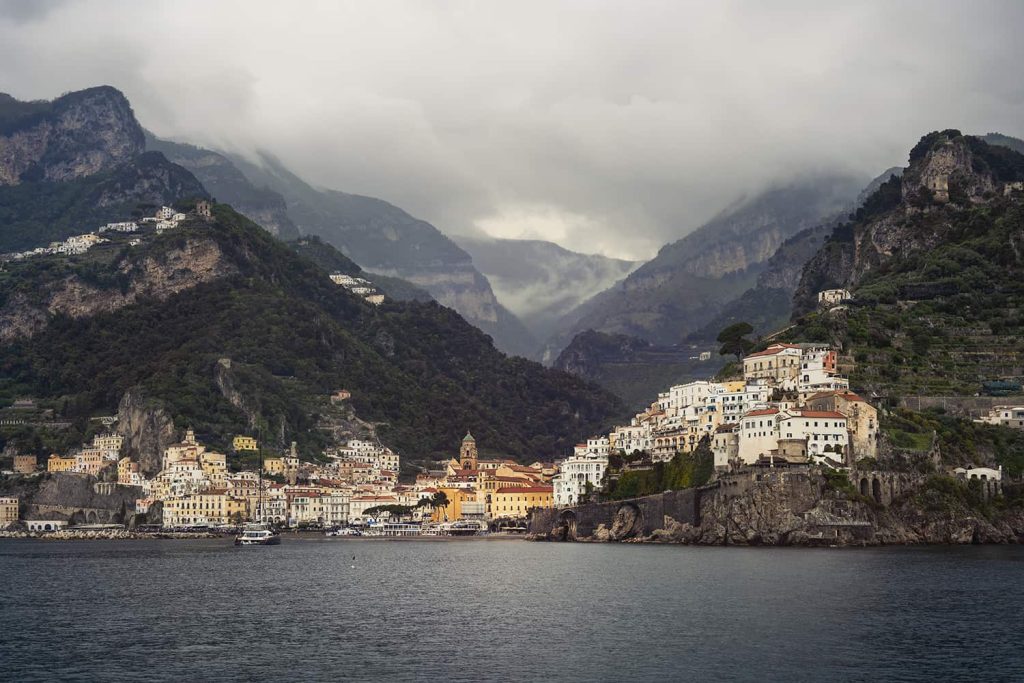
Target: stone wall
{"points": [[619, 520], [788, 506]]}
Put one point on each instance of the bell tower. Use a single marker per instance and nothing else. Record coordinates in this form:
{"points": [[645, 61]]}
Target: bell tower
{"points": [[467, 454]]}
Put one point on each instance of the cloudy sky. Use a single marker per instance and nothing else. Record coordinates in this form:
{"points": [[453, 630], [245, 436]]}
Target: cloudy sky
{"points": [[607, 127]]}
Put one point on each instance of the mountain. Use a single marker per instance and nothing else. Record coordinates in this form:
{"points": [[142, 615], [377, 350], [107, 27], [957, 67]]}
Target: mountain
{"points": [[540, 281], [768, 305], [935, 264], [220, 326], [75, 163], [689, 281], [384, 239], [225, 182], [331, 260]]}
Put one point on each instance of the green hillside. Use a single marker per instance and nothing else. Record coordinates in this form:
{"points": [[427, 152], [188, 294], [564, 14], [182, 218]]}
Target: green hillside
{"points": [[417, 370]]}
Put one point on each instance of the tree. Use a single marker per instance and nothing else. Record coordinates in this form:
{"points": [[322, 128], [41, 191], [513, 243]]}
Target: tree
{"points": [[439, 500], [733, 342]]}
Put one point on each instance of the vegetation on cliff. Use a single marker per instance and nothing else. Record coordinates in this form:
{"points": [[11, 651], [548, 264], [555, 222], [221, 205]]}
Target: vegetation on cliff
{"points": [[683, 471]]}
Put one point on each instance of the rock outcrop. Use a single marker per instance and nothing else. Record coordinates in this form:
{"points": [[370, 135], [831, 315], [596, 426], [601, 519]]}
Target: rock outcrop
{"points": [[156, 276], [147, 430], [947, 173], [798, 507], [76, 135]]}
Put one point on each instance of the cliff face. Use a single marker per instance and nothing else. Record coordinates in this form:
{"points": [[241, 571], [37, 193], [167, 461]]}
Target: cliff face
{"points": [[78, 162], [795, 508], [77, 135], [147, 429], [156, 275], [947, 175]]}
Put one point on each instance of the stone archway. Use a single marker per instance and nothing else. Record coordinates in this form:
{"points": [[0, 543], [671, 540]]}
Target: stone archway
{"points": [[628, 522], [876, 490], [565, 528]]}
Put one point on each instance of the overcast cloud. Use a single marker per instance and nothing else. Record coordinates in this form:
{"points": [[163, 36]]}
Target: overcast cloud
{"points": [[607, 127]]}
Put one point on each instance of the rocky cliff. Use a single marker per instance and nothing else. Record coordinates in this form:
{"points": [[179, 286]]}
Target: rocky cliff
{"points": [[799, 508], [146, 427], [78, 162], [158, 274], [948, 174], [76, 135]]}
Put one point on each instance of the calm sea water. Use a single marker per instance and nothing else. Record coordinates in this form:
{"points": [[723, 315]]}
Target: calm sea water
{"points": [[483, 610]]}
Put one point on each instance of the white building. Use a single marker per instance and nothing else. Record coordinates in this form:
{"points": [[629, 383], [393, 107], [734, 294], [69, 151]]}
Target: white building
{"points": [[577, 475], [1007, 416], [826, 431], [634, 437], [833, 297], [165, 213], [758, 434]]}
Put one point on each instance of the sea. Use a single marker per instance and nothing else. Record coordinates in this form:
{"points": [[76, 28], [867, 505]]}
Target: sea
{"points": [[349, 609]]}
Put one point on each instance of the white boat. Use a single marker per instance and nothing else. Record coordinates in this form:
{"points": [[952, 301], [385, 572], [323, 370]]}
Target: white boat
{"points": [[344, 531], [258, 534], [392, 529]]}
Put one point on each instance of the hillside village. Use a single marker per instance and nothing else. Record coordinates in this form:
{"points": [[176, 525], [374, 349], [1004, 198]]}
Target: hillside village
{"points": [[792, 407], [165, 218]]}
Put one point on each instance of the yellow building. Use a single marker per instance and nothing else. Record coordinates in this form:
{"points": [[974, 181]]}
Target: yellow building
{"points": [[517, 501], [125, 469], [207, 507], [8, 511], [273, 466], [59, 464], [244, 443], [108, 442], [459, 501]]}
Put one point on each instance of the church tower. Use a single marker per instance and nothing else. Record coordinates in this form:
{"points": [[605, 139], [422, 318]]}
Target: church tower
{"points": [[467, 454]]}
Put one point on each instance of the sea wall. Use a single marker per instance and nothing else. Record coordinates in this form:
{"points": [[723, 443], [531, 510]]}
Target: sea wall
{"points": [[618, 520], [798, 506]]}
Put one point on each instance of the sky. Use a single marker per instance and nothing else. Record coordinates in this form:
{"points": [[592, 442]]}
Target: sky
{"points": [[607, 127]]}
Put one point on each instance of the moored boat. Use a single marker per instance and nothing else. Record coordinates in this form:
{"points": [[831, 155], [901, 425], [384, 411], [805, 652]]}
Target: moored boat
{"points": [[258, 534]]}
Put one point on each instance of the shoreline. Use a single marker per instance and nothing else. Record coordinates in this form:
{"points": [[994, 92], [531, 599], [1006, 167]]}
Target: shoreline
{"points": [[124, 535]]}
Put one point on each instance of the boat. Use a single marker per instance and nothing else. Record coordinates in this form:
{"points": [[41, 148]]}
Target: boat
{"points": [[258, 534], [392, 529], [344, 531]]}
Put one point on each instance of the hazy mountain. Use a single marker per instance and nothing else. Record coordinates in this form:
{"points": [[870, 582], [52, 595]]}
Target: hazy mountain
{"points": [[226, 183], [689, 281], [383, 238], [541, 281], [768, 305]]}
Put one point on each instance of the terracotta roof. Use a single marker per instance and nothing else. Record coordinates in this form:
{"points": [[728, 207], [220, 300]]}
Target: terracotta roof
{"points": [[527, 489], [773, 350], [763, 411], [829, 414]]}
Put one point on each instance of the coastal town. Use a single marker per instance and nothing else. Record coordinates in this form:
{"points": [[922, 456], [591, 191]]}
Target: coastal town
{"points": [[792, 407]]}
